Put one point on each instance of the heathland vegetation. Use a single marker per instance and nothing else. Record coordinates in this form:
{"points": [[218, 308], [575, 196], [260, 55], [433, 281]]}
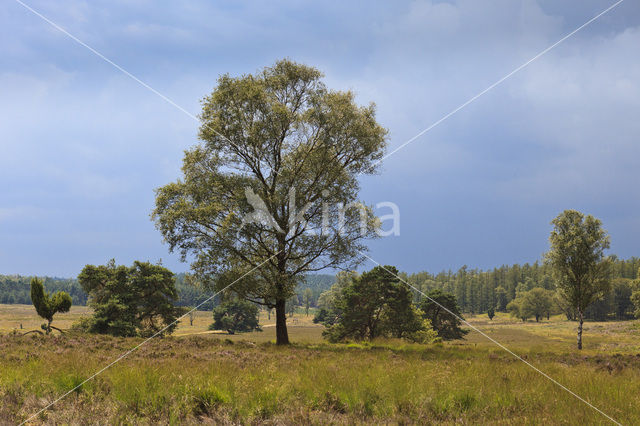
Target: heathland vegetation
{"points": [[224, 379]]}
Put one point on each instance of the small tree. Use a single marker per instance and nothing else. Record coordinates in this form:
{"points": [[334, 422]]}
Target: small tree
{"points": [[538, 302], [374, 304], [47, 306], [491, 313], [577, 260], [130, 301], [516, 309], [236, 316], [442, 310]]}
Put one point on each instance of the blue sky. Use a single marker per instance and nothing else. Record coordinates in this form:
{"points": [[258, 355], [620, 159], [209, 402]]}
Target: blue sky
{"points": [[83, 146]]}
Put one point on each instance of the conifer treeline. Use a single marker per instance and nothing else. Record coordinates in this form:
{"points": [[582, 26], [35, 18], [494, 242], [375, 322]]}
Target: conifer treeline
{"points": [[477, 290]]}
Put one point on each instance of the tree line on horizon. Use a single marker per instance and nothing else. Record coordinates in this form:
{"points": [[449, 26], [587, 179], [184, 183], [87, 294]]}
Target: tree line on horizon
{"points": [[141, 300], [476, 291], [15, 289]]}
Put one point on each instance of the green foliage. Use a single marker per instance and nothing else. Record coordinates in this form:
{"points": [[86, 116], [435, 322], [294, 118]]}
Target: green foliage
{"points": [[442, 310], [622, 304], [600, 309], [635, 296], [580, 270], [317, 284], [482, 289], [281, 140], [491, 313], [423, 334], [130, 301], [515, 309], [536, 303], [47, 306], [501, 299], [477, 290], [307, 297], [236, 316], [330, 310], [17, 289], [374, 304]]}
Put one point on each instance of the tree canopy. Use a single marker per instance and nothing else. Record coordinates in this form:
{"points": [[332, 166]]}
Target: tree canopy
{"points": [[374, 304], [536, 303], [130, 301], [236, 316], [442, 310], [580, 269], [272, 190]]}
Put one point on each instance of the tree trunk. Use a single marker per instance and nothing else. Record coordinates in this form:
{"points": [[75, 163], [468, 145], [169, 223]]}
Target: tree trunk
{"points": [[282, 337], [580, 321]]}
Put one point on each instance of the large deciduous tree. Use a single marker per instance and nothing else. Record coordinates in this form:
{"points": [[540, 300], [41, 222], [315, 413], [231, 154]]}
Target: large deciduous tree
{"points": [[579, 266], [272, 190], [48, 305]]}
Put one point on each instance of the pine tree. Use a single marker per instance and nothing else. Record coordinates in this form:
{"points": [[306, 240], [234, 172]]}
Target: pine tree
{"points": [[47, 306]]}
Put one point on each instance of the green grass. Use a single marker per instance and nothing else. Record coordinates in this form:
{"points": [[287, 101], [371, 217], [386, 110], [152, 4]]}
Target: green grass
{"points": [[210, 378]]}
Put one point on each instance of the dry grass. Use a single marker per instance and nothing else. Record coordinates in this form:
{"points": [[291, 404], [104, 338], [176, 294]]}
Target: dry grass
{"points": [[237, 379], [12, 316]]}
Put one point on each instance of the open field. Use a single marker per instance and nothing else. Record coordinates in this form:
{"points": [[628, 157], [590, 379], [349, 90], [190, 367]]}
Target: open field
{"points": [[191, 377]]}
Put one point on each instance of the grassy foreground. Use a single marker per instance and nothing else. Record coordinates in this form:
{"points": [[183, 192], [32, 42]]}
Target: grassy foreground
{"points": [[208, 378]]}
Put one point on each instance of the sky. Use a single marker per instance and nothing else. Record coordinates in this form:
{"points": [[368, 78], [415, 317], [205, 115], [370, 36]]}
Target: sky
{"points": [[83, 146]]}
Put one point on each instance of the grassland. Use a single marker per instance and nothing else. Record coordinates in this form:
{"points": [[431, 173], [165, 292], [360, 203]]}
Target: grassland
{"points": [[196, 376]]}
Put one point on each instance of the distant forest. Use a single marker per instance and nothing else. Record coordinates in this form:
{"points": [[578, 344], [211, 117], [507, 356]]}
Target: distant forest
{"points": [[475, 290], [16, 289]]}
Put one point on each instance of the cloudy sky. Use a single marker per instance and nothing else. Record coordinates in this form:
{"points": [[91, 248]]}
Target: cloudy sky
{"points": [[82, 146]]}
